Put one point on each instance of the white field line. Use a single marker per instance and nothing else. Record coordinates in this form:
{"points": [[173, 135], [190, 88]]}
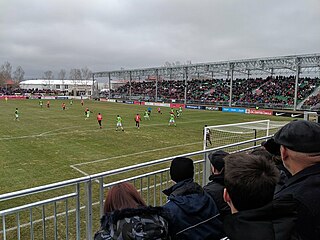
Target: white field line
{"points": [[77, 169], [133, 154], [51, 133], [127, 155]]}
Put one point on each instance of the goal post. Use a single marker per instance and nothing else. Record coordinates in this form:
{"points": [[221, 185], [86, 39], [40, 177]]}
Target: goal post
{"points": [[223, 135]]}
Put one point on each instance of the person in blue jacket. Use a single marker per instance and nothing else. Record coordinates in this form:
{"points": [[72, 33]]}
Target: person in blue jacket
{"points": [[191, 212]]}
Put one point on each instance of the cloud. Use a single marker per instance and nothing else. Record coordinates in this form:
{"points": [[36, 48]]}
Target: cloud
{"points": [[106, 35]]}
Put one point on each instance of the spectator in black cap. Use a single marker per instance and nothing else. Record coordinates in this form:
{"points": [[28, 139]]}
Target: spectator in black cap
{"points": [[192, 214], [216, 185], [250, 181], [298, 143]]}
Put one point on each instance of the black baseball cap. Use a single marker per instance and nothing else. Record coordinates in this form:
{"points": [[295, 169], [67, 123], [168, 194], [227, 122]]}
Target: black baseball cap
{"points": [[300, 136]]}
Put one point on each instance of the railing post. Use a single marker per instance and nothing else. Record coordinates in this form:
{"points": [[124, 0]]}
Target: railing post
{"points": [[101, 196], [78, 212], [89, 209], [4, 227], [206, 169]]}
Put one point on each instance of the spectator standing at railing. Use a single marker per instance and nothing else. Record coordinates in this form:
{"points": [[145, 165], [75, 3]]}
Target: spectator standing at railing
{"points": [[216, 185], [192, 213], [127, 217], [250, 182], [298, 143]]}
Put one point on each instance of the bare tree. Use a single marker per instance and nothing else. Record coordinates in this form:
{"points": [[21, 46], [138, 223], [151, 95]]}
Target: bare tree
{"points": [[2, 79], [62, 74], [6, 70], [167, 64], [75, 74], [86, 73], [48, 75], [18, 74]]}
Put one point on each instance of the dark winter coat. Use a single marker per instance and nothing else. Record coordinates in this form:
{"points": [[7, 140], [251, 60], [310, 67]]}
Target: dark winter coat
{"points": [[192, 213], [305, 188], [215, 189], [144, 223], [275, 221]]}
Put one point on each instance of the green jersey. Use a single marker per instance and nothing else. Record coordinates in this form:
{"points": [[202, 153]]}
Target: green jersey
{"points": [[119, 119], [171, 117]]}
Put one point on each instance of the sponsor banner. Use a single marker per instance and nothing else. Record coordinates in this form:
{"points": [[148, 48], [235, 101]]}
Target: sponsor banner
{"points": [[212, 108], [258, 111], [62, 97], [157, 104], [48, 97], [35, 97], [81, 97], [139, 103], [103, 100], [176, 105], [128, 102], [195, 107], [109, 100], [288, 114], [13, 97], [234, 110]]}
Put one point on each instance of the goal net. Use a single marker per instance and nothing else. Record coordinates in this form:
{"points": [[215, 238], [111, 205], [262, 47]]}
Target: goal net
{"points": [[221, 135]]}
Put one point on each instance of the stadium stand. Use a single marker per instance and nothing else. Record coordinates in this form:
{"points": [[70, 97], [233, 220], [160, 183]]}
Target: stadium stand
{"points": [[269, 92]]}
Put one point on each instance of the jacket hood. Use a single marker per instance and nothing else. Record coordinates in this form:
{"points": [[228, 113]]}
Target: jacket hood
{"points": [[188, 196]]}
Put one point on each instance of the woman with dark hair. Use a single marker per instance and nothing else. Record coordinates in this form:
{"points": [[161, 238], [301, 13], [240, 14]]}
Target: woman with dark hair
{"points": [[128, 217], [123, 195]]}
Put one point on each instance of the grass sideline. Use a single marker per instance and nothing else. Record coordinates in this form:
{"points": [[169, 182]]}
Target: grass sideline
{"points": [[41, 147]]}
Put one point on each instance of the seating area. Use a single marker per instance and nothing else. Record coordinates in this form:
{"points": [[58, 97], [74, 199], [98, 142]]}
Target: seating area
{"points": [[20, 91], [270, 91]]}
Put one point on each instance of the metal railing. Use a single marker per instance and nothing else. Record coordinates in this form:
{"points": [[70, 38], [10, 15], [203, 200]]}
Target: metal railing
{"points": [[71, 209]]}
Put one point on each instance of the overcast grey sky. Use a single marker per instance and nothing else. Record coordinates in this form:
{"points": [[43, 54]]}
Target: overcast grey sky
{"points": [[42, 35]]}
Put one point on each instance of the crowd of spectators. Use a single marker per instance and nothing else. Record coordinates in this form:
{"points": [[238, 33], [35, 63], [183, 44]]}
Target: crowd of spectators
{"points": [[246, 197], [32, 91], [313, 101], [265, 92], [270, 91]]}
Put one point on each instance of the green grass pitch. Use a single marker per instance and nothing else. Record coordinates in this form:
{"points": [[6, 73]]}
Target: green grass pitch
{"points": [[43, 146]]}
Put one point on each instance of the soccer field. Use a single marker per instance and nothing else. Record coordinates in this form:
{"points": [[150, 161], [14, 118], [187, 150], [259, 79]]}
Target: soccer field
{"points": [[49, 145]]}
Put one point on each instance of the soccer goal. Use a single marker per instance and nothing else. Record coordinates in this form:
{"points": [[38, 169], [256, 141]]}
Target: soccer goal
{"points": [[222, 135]]}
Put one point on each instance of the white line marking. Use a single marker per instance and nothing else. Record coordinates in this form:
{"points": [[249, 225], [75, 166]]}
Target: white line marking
{"points": [[133, 154], [56, 130], [77, 169]]}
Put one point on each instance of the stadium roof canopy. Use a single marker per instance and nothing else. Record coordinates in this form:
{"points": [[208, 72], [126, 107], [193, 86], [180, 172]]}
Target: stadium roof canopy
{"points": [[283, 65]]}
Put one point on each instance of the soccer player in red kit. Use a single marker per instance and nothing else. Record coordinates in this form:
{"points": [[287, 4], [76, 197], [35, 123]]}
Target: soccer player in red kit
{"points": [[99, 118], [137, 119]]}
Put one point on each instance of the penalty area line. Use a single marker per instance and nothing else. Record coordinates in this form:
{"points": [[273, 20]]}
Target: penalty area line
{"points": [[74, 166]]}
